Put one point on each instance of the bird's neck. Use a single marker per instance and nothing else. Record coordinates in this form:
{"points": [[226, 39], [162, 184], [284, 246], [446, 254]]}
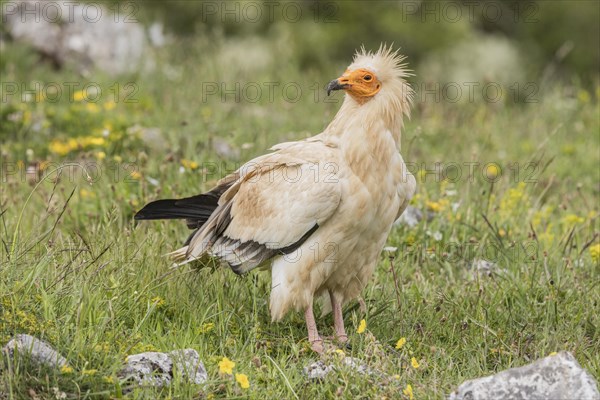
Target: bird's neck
{"points": [[371, 117]]}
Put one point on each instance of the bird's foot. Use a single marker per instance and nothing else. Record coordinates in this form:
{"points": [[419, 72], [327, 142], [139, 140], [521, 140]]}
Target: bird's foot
{"points": [[342, 338], [318, 345], [329, 343]]}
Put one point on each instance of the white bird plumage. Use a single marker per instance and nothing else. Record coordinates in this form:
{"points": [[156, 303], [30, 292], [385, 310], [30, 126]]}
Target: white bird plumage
{"points": [[320, 208]]}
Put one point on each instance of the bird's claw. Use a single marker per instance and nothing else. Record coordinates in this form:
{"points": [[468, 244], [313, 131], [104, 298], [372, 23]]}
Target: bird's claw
{"points": [[342, 339], [318, 346]]}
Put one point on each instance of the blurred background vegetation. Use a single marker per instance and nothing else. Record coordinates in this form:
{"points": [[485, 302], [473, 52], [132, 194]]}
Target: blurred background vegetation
{"points": [[547, 39], [561, 35]]}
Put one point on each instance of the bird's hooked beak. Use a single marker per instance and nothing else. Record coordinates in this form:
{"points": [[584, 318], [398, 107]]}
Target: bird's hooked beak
{"points": [[361, 84], [337, 84]]}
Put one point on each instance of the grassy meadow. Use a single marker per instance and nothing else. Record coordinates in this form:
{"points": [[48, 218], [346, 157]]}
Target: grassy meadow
{"points": [[512, 182]]}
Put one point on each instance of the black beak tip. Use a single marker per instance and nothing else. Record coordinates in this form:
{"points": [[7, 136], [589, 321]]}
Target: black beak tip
{"points": [[334, 85]]}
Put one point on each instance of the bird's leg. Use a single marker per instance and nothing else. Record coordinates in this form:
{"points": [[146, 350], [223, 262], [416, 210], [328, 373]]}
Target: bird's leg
{"points": [[338, 319], [316, 343]]}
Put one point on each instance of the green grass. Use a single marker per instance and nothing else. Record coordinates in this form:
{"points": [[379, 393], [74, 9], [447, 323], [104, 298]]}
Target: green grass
{"points": [[82, 276]]}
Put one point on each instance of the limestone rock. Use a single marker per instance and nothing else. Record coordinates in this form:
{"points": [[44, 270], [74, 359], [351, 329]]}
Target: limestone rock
{"points": [[319, 369], [37, 350], [158, 369], [555, 377], [85, 35]]}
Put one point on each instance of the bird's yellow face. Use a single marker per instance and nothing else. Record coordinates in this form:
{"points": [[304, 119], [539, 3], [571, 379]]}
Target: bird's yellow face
{"points": [[361, 84]]}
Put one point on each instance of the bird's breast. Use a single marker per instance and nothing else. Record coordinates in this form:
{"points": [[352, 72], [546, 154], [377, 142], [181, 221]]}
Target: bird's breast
{"points": [[372, 172]]}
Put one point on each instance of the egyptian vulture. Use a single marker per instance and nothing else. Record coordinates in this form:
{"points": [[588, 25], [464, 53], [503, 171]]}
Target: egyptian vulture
{"points": [[318, 210]]}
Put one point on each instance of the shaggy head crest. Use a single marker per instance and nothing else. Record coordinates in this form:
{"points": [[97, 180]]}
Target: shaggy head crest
{"points": [[376, 90], [386, 63]]}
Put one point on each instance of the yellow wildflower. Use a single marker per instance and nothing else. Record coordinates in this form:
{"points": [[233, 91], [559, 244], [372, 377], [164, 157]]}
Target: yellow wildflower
{"points": [[492, 171], [583, 96], [39, 97], [513, 198], [437, 206], [44, 164], [205, 328], [206, 112], [89, 372], [109, 105], [242, 379], [501, 232], [362, 326], [414, 363], [87, 194], [568, 149], [541, 216], [188, 164], [92, 141], [102, 347], [408, 392], [158, 301], [136, 175], [553, 353], [100, 155], [79, 95], [142, 348], [572, 219], [60, 148], [92, 108], [595, 252], [340, 352], [65, 369], [422, 175], [226, 366], [400, 343], [546, 238]]}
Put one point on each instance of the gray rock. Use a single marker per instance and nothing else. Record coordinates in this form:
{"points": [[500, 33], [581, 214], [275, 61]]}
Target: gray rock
{"points": [[187, 362], [358, 366], [86, 35], [319, 370], [158, 369], [555, 377], [483, 266], [37, 350]]}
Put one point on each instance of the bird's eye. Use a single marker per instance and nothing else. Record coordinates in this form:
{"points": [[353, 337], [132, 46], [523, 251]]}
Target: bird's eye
{"points": [[367, 78]]}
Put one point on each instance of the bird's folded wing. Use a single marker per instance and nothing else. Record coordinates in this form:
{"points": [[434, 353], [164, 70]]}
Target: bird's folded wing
{"points": [[406, 189], [275, 203]]}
